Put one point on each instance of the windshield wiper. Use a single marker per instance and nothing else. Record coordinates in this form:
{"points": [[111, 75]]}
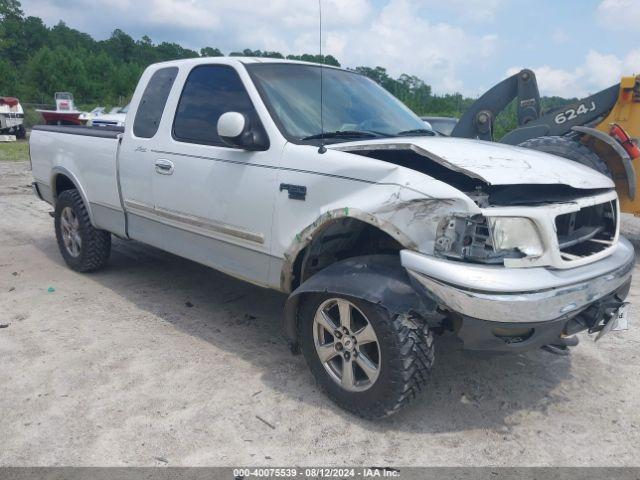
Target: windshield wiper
{"points": [[342, 134], [417, 131]]}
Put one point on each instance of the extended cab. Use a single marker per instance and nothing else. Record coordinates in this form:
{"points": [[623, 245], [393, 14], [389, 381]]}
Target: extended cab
{"points": [[383, 234]]}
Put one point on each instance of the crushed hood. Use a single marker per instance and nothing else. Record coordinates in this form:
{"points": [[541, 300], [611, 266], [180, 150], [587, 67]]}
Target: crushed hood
{"points": [[493, 163]]}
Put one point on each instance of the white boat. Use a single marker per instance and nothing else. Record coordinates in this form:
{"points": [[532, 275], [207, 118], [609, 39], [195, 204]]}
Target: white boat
{"points": [[11, 117], [65, 112]]}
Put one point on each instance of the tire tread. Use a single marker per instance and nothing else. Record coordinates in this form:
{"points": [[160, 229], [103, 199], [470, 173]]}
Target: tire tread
{"points": [[96, 245], [570, 149], [413, 352]]}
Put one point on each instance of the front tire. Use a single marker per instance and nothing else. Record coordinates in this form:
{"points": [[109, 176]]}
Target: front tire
{"points": [[369, 362], [83, 247]]}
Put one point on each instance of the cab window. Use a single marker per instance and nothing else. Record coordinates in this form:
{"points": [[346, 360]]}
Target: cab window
{"points": [[210, 91]]}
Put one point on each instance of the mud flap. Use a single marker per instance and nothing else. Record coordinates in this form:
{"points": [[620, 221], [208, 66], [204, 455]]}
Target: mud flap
{"points": [[378, 279]]}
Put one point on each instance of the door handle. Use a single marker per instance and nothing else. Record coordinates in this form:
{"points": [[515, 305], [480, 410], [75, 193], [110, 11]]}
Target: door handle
{"points": [[164, 167]]}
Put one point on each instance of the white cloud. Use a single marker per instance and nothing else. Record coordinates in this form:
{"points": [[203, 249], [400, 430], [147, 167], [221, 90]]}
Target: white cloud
{"points": [[473, 10], [395, 36], [182, 13], [619, 14], [404, 42], [597, 72]]}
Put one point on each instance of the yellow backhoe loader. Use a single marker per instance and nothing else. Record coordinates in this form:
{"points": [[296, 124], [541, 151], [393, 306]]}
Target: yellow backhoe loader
{"points": [[600, 131]]}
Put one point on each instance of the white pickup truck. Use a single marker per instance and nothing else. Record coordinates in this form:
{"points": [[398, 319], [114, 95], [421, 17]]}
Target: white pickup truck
{"points": [[384, 235]]}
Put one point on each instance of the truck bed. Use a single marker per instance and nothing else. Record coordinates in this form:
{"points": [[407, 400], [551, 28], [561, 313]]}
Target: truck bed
{"points": [[85, 157], [102, 132]]}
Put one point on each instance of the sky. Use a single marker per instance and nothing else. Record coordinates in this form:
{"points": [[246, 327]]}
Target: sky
{"points": [[576, 47]]}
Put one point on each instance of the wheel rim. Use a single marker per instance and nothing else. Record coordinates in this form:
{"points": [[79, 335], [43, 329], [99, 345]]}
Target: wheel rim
{"points": [[346, 344], [70, 228]]}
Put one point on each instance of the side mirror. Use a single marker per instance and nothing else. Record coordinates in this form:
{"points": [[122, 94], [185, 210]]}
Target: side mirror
{"points": [[235, 130]]}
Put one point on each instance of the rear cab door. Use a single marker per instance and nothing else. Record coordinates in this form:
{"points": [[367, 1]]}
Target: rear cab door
{"points": [[136, 160]]}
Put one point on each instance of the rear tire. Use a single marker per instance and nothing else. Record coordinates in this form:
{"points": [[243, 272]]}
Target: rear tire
{"points": [[405, 355], [570, 149], [83, 247]]}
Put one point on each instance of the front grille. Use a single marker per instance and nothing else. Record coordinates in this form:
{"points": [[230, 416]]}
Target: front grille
{"points": [[588, 231]]}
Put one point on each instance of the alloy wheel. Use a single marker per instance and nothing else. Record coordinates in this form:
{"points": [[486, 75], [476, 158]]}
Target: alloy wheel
{"points": [[346, 344], [70, 227]]}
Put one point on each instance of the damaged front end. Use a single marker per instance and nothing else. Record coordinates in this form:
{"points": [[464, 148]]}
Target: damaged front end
{"points": [[504, 251], [555, 336], [513, 309]]}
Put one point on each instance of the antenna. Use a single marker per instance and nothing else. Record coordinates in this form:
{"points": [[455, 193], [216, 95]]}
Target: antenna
{"points": [[322, 148]]}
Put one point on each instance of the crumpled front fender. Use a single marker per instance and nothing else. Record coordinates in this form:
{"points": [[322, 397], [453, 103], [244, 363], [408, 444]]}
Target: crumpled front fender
{"points": [[378, 279]]}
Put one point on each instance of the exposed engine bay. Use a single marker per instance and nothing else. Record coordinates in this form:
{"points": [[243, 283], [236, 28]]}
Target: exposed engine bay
{"points": [[481, 192]]}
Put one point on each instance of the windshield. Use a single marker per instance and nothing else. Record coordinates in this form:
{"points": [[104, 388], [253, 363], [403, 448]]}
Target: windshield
{"points": [[352, 103]]}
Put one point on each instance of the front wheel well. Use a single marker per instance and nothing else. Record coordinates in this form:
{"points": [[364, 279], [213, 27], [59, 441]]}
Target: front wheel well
{"points": [[343, 238]]}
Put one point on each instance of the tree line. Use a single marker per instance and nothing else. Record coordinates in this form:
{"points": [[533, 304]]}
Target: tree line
{"points": [[37, 60]]}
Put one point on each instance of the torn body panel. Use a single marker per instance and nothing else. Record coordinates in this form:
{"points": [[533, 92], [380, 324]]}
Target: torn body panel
{"points": [[410, 222], [402, 203]]}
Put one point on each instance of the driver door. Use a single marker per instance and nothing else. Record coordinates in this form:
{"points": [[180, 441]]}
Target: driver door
{"points": [[215, 202]]}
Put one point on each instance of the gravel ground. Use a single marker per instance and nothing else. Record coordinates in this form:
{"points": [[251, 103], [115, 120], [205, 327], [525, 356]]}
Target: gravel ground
{"points": [[160, 361]]}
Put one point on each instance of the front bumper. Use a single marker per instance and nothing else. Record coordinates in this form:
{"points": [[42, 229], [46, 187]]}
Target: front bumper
{"points": [[540, 299]]}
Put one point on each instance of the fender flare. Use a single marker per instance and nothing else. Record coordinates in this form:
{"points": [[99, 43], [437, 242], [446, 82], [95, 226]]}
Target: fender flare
{"points": [[58, 170], [378, 279], [630, 172]]}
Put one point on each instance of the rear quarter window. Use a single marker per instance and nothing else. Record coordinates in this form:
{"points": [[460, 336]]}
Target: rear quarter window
{"points": [[153, 100]]}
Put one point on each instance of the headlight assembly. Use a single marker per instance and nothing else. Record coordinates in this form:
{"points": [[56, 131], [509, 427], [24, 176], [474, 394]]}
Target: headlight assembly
{"points": [[516, 233], [487, 240]]}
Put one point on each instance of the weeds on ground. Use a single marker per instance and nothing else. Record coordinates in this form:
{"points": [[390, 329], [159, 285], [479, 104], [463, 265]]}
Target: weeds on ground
{"points": [[14, 151]]}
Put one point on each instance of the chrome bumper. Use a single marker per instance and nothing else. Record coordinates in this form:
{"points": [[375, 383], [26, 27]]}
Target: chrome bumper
{"points": [[538, 294]]}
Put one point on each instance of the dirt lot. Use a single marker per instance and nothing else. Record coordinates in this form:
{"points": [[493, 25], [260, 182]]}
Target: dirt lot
{"points": [[158, 361]]}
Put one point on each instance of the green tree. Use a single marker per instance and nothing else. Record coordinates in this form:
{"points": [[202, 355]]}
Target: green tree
{"points": [[63, 36], [9, 84], [10, 8], [324, 59], [120, 46], [145, 52], [11, 33], [60, 69], [173, 51], [210, 52]]}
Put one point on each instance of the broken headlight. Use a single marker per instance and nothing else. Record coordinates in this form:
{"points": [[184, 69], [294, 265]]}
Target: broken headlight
{"points": [[516, 233], [487, 240]]}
